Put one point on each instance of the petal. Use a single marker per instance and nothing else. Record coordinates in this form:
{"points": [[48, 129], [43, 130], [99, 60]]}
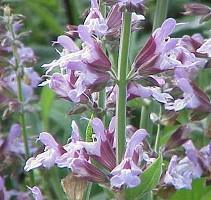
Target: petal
{"points": [[48, 140], [67, 43], [85, 35], [32, 163], [36, 193], [75, 132], [98, 128], [135, 140]]}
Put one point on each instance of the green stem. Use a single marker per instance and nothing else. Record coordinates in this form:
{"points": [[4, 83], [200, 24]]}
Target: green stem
{"points": [[101, 103], [160, 13], [88, 191], [19, 72], [122, 85], [143, 117], [157, 139]]}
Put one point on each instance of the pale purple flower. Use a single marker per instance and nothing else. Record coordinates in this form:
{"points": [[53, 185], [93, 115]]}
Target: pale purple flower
{"points": [[152, 58], [181, 173], [193, 98], [89, 64], [137, 90], [30, 81], [95, 22], [192, 43], [36, 193], [14, 142], [127, 172], [67, 86], [205, 157], [102, 149], [205, 48], [26, 55], [48, 158]]}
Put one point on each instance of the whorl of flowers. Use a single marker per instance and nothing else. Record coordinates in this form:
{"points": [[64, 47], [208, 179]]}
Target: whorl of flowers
{"points": [[163, 70]]}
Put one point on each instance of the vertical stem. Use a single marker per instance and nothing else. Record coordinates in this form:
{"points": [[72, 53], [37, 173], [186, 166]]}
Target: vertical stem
{"points": [[19, 72], [122, 86], [160, 13], [157, 139], [143, 117]]}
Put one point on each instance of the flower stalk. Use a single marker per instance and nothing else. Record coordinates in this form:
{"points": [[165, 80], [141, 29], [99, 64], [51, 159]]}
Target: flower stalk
{"points": [[122, 85], [19, 72]]}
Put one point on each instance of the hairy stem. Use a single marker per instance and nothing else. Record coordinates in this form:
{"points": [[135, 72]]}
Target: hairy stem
{"points": [[122, 86]]}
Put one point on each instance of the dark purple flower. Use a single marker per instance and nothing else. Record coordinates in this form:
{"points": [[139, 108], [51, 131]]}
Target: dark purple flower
{"points": [[152, 58]]}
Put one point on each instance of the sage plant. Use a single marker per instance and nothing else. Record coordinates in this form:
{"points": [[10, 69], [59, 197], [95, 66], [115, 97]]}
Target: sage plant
{"points": [[115, 156]]}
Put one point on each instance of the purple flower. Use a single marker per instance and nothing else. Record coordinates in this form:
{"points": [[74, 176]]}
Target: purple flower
{"points": [[137, 90], [198, 9], [90, 65], [48, 158], [205, 157], [127, 172], [205, 48], [86, 170], [102, 149], [131, 5], [193, 98], [192, 43], [68, 86], [13, 142], [30, 81], [181, 173], [95, 22], [152, 58], [36, 193]]}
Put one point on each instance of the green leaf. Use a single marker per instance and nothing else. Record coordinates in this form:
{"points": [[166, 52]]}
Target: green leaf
{"points": [[46, 100], [149, 179], [89, 130], [199, 191]]}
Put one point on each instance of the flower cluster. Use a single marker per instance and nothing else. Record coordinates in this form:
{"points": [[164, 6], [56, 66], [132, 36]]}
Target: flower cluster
{"points": [[16, 62], [164, 65], [196, 163], [84, 158]]}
